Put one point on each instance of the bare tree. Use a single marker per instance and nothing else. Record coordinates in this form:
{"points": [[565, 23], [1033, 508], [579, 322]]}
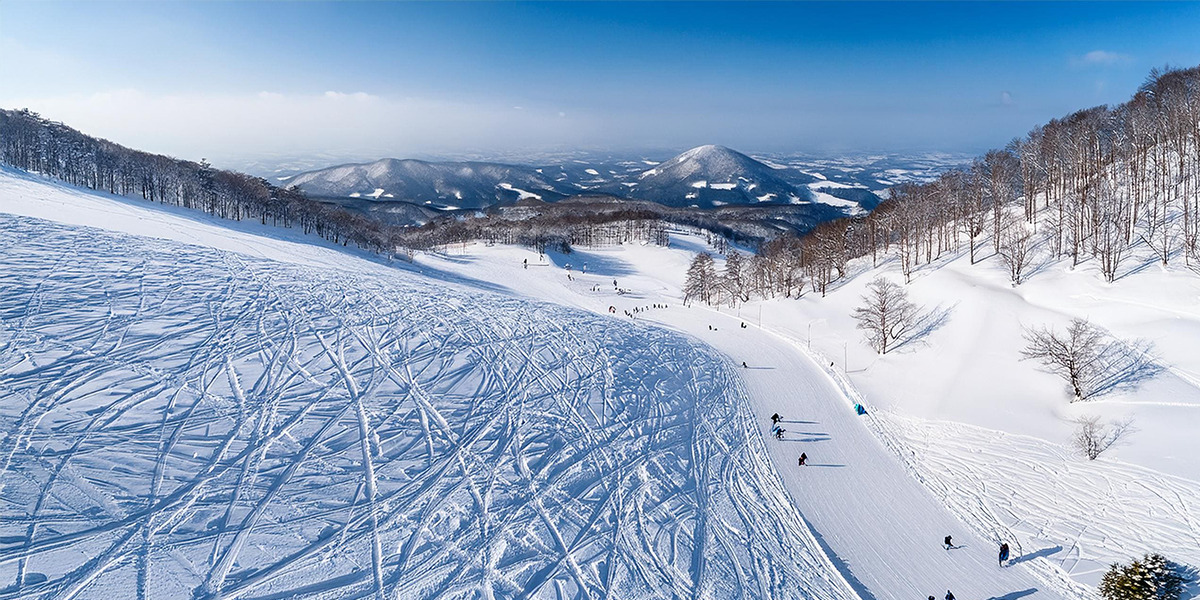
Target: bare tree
{"points": [[886, 315], [1016, 249], [1089, 359], [1092, 437], [1072, 356], [701, 281], [733, 279]]}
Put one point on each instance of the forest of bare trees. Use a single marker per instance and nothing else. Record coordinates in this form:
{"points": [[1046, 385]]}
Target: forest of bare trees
{"points": [[32, 143], [1092, 186]]}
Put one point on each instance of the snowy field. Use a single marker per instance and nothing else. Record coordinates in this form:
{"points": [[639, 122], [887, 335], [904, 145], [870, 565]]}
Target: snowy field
{"points": [[986, 433], [962, 438], [184, 421]]}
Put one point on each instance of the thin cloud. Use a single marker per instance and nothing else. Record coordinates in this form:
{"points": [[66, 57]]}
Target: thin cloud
{"points": [[1103, 58], [216, 125]]}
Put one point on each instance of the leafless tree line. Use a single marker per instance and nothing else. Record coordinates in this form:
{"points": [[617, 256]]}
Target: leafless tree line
{"points": [[32, 143], [1092, 185]]}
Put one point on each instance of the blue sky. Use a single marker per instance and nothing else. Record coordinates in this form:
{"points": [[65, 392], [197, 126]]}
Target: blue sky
{"points": [[429, 79]]}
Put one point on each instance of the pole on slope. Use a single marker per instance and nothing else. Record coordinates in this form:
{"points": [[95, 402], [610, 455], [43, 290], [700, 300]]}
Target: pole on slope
{"points": [[845, 369]]}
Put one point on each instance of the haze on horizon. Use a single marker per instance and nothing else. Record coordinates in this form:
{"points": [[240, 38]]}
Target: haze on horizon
{"points": [[237, 80]]}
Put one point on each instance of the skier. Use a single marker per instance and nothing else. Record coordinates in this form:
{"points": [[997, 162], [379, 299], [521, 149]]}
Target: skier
{"points": [[803, 459], [525, 263], [744, 365], [931, 598], [1003, 553], [775, 418], [949, 596], [948, 542], [779, 433]]}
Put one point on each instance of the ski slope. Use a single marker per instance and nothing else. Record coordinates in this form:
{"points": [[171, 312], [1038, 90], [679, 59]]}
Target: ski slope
{"points": [[879, 493], [880, 524], [982, 432], [182, 420]]}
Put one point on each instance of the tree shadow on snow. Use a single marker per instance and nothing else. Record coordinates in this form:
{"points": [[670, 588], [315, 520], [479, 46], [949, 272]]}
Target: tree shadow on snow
{"points": [[1039, 554], [1015, 595], [1123, 366], [926, 324], [597, 264]]}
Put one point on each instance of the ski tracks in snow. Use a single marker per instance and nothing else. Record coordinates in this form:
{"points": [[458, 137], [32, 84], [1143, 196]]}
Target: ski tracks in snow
{"points": [[183, 422]]}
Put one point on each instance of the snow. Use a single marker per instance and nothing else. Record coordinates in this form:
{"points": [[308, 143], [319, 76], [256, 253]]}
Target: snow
{"points": [[699, 184], [520, 192], [723, 186], [591, 172], [985, 433], [880, 523], [831, 200], [961, 438], [195, 411], [376, 194]]}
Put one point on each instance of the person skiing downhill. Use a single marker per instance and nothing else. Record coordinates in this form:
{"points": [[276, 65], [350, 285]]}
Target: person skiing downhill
{"points": [[775, 418], [779, 433], [948, 542], [803, 459], [949, 596], [1003, 553]]}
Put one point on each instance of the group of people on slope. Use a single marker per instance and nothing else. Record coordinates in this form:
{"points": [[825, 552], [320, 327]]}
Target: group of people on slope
{"points": [[778, 431], [948, 543]]}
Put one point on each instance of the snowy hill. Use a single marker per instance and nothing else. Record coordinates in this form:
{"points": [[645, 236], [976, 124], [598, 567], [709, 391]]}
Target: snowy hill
{"points": [[987, 434], [191, 410], [944, 449], [444, 185], [709, 176]]}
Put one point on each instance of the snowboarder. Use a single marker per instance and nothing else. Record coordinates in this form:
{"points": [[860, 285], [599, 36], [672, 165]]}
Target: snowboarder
{"points": [[775, 418], [949, 543], [1003, 553], [949, 596], [803, 459]]}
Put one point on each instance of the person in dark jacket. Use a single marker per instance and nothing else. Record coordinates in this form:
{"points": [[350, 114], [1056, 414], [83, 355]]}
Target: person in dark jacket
{"points": [[803, 459], [775, 418], [1003, 553], [949, 596], [949, 542]]}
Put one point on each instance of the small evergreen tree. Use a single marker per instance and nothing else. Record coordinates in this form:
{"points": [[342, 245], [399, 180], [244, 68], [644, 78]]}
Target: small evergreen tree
{"points": [[1151, 578]]}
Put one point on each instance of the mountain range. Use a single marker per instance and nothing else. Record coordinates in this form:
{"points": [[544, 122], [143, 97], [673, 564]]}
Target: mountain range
{"points": [[704, 177]]}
